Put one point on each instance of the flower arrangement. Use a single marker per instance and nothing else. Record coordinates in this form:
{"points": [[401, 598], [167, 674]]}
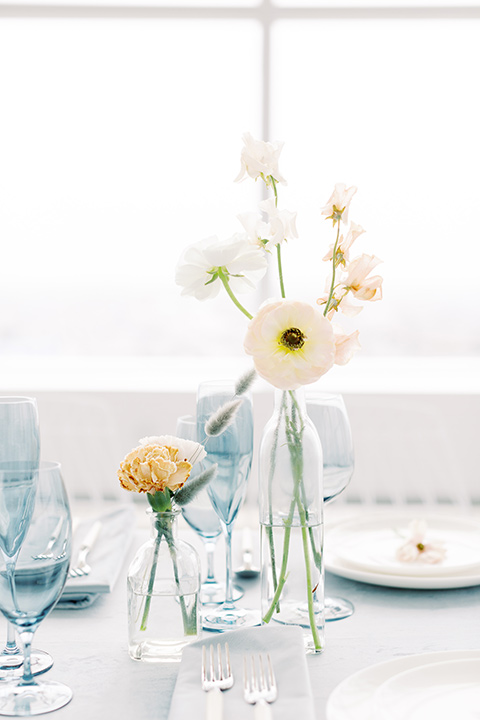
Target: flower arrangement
{"points": [[160, 467], [292, 342]]}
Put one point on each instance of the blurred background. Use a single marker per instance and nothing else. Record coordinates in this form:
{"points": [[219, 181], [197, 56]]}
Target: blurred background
{"points": [[120, 138]]}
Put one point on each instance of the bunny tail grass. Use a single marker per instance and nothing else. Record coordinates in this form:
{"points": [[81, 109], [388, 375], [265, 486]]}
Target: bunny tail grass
{"points": [[245, 382], [190, 489], [222, 418]]}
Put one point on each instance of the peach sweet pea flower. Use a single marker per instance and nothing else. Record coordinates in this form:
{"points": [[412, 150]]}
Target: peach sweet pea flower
{"points": [[417, 549], [363, 287], [260, 159], [292, 344], [345, 345], [344, 245], [337, 207], [152, 468]]}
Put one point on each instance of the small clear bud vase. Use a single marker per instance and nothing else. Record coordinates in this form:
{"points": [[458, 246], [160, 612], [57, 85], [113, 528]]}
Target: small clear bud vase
{"points": [[163, 587], [291, 520]]}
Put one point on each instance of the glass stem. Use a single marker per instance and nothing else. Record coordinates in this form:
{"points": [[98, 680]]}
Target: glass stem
{"points": [[228, 566], [27, 637], [11, 647], [210, 553]]}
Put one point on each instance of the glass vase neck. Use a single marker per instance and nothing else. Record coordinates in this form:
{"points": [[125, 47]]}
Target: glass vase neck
{"points": [[166, 519], [290, 399]]}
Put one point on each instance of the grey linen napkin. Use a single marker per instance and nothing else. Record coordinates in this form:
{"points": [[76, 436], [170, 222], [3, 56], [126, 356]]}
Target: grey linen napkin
{"points": [[105, 559], [287, 651]]}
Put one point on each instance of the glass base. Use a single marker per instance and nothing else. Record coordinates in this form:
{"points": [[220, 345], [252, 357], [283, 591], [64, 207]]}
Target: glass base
{"points": [[26, 700], [11, 666], [224, 619], [337, 608], [213, 593]]}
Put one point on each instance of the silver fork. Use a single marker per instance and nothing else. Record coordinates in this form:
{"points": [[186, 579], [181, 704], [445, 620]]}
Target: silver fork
{"points": [[82, 567], [215, 679], [47, 554], [260, 688]]}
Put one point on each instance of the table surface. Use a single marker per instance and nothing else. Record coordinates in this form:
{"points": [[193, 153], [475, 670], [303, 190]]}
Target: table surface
{"points": [[90, 646]]}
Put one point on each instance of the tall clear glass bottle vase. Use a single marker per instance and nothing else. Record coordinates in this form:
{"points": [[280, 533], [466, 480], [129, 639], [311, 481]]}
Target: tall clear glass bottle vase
{"points": [[291, 519]]}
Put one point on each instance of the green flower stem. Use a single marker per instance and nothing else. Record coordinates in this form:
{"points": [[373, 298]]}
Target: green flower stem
{"points": [[151, 582], [187, 625], [332, 286], [311, 612], [227, 287], [270, 499], [280, 271]]}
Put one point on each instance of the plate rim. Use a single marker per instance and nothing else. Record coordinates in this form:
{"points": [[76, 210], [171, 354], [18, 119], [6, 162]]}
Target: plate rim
{"points": [[417, 658]]}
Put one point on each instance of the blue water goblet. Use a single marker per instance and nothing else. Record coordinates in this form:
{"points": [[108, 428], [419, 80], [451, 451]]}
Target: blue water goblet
{"points": [[232, 450], [19, 447], [29, 586], [203, 519], [329, 415]]}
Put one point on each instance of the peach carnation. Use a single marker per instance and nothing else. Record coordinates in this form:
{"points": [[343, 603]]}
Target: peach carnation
{"points": [[152, 468]]}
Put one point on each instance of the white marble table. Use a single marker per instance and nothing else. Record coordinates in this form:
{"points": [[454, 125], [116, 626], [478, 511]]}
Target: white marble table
{"points": [[90, 646]]}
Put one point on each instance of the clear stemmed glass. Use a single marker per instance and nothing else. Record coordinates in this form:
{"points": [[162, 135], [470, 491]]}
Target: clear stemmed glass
{"points": [[30, 588], [202, 518], [19, 444], [232, 451], [329, 415]]}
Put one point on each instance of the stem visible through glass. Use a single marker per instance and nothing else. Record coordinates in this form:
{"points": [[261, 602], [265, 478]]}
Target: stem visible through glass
{"points": [[228, 604], [210, 554]]}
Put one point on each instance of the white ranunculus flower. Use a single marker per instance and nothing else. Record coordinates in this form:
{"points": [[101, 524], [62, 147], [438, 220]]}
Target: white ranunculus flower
{"points": [[188, 450], [241, 262], [260, 159], [338, 205], [291, 343]]}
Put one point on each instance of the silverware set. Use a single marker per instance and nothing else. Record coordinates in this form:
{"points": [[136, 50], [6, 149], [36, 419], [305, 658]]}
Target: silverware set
{"points": [[81, 567], [259, 689]]}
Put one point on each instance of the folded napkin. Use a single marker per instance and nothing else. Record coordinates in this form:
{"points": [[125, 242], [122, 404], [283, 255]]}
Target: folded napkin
{"points": [[287, 651], [105, 558]]}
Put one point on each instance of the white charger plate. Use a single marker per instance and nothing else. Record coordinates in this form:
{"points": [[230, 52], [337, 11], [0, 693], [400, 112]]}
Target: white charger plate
{"points": [[364, 549], [353, 698], [437, 691]]}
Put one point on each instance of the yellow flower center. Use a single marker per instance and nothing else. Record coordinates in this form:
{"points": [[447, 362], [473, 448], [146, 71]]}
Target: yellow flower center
{"points": [[292, 339]]}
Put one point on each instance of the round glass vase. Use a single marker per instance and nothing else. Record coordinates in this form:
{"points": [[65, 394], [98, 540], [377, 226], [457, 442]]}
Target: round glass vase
{"points": [[291, 520], [163, 586]]}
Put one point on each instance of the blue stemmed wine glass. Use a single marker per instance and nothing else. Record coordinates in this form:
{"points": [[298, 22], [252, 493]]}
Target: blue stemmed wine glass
{"points": [[19, 447], [31, 581], [203, 519], [329, 415], [232, 450]]}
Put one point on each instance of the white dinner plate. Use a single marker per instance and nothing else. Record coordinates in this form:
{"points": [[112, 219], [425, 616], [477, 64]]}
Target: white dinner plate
{"points": [[457, 574], [352, 699], [370, 543], [440, 691]]}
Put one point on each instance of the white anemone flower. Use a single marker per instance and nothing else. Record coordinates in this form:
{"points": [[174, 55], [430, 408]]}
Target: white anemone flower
{"points": [[291, 343], [260, 159], [239, 261], [338, 205]]}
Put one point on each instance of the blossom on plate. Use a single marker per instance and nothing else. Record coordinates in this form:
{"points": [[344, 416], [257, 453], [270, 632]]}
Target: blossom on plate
{"points": [[204, 262], [188, 450], [417, 549], [260, 159], [356, 281], [345, 345], [344, 244], [292, 344], [153, 468], [338, 205]]}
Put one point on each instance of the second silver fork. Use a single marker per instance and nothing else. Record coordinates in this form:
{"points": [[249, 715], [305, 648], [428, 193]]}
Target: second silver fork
{"points": [[215, 679], [260, 689]]}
